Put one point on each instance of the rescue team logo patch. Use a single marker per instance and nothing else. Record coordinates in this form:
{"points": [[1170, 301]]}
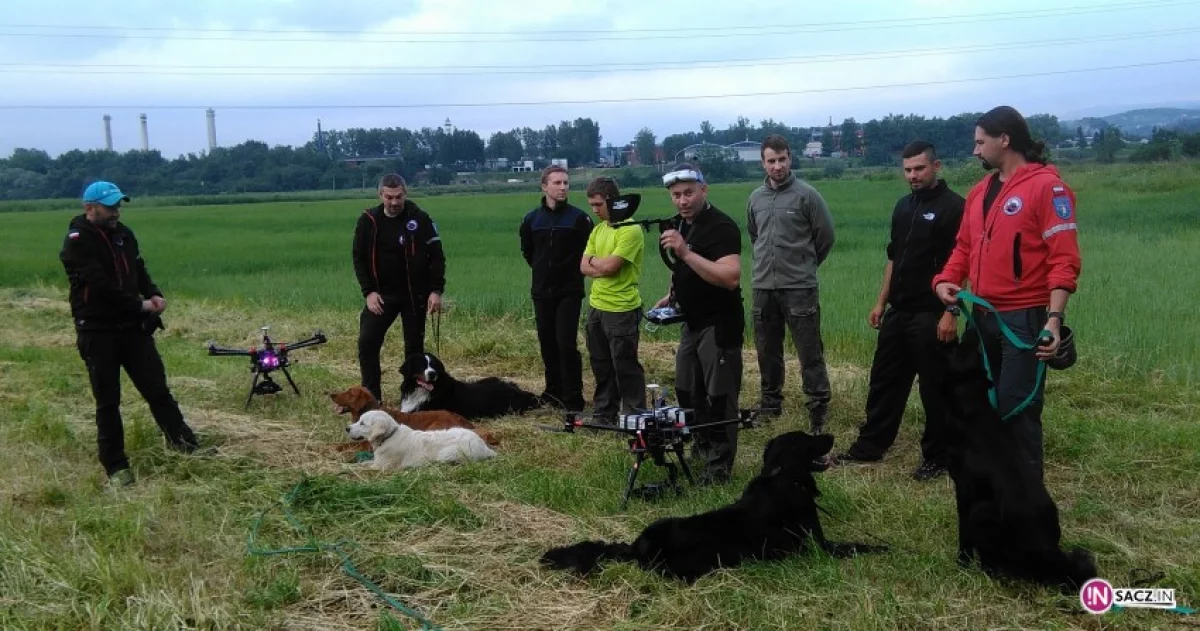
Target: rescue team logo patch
{"points": [[1013, 205], [929, 216], [1062, 207], [74, 234], [412, 225]]}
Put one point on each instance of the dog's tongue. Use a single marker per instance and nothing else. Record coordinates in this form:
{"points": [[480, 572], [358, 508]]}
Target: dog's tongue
{"points": [[425, 384]]}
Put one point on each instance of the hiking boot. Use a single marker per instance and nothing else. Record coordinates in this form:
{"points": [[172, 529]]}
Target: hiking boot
{"points": [[120, 479], [928, 471], [550, 401], [769, 411], [817, 424], [605, 419], [818, 417]]}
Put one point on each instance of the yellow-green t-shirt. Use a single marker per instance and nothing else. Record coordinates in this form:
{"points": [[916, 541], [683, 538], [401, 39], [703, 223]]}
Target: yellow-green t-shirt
{"points": [[619, 292]]}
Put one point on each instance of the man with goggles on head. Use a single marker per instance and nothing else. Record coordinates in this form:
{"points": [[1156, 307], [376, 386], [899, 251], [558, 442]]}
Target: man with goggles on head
{"points": [[706, 286], [116, 309]]}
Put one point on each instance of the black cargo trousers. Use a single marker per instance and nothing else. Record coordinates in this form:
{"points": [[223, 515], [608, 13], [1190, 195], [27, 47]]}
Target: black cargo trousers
{"points": [[105, 353]]}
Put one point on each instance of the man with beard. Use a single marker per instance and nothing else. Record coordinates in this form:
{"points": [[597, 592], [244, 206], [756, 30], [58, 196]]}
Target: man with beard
{"points": [[791, 231], [553, 238], [401, 270], [910, 317], [1017, 246], [116, 309]]}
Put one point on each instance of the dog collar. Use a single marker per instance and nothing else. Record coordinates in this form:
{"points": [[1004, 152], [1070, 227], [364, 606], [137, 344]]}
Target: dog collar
{"points": [[384, 438]]}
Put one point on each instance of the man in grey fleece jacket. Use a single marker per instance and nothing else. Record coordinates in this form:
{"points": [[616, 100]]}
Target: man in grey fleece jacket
{"points": [[791, 231]]}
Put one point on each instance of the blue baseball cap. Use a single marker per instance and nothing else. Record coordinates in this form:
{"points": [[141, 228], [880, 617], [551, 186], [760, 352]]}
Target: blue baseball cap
{"points": [[105, 193]]}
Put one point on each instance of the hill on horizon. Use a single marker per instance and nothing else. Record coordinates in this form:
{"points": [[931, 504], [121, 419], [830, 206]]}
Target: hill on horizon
{"points": [[1139, 123]]}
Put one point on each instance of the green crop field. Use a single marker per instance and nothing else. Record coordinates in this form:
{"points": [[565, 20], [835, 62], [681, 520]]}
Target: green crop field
{"points": [[460, 544]]}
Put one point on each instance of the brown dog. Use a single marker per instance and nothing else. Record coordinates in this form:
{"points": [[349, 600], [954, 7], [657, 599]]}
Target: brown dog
{"points": [[357, 400]]}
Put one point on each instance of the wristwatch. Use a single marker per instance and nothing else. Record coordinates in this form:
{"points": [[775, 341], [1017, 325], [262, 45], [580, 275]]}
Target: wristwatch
{"points": [[1062, 318], [954, 310]]}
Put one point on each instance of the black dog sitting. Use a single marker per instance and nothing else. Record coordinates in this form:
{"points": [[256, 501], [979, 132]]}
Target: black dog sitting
{"points": [[427, 386], [774, 518], [1006, 518]]}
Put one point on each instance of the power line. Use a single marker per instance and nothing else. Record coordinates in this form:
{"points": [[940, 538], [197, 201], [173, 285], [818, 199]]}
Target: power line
{"points": [[439, 71], [649, 99], [755, 27], [74, 32]]}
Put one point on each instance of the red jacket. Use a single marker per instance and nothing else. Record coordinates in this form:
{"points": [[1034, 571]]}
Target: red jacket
{"points": [[1025, 248]]}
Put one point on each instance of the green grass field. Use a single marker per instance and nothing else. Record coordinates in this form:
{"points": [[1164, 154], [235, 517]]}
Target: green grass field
{"points": [[460, 544]]}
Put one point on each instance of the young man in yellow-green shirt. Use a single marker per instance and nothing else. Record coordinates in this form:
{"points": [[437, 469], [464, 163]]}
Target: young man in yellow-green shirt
{"points": [[613, 260]]}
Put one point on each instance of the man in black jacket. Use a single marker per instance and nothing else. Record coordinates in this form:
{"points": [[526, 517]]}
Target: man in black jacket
{"points": [[116, 309], [924, 227], [553, 238], [401, 270]]}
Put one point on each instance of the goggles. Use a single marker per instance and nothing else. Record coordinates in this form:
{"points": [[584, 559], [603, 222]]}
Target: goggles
{"points": [[685, 175]]}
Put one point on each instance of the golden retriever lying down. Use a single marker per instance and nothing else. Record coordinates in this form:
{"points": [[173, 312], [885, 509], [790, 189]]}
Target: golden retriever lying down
{"points": [[397, 446], [357, 400]]}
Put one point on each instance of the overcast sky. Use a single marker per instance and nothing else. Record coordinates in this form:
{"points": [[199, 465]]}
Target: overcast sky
{"points": [[126, 57]]}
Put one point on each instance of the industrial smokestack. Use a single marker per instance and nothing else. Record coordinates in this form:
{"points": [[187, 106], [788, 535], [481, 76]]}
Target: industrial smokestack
{"points": [[107, 132], [145, 134], [212, 129]]}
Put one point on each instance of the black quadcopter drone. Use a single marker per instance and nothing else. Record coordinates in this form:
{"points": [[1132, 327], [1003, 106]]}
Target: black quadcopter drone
{"points": [[654, 435], [264, 360]]}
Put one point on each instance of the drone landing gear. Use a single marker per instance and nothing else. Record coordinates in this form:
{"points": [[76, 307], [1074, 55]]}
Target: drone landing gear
{"points": [[264, 384], [659, 456]]}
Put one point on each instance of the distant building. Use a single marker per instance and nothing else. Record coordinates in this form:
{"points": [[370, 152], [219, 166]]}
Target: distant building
{"points": [[631, 157], [610, 156], [748, 150], [812, 149]]}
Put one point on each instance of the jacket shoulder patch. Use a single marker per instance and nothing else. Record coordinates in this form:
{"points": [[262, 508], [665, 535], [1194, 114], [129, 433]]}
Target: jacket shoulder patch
{"points": [[1062, 207]]}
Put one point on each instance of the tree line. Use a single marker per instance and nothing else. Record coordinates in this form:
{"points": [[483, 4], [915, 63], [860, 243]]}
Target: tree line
{"points": [[356, 157]]}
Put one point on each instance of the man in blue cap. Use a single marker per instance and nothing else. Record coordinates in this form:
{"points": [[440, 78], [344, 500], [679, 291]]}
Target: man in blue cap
{"points": [[116, 309]]}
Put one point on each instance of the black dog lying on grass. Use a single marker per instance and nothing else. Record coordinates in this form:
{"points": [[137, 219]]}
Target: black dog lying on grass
{"points": [[1006, 518], [774, 518]]}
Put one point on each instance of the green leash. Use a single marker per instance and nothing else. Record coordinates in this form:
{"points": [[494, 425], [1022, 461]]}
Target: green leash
{"points": [[338, 548], [969, 301]]}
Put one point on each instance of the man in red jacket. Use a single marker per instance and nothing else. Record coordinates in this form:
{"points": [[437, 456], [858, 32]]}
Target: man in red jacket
{"points": [[1017, 246]]}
